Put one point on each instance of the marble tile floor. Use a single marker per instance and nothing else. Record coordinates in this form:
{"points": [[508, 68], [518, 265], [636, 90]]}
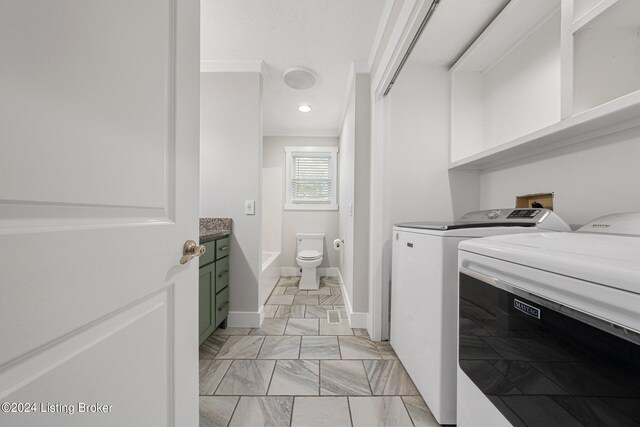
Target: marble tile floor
{"points": [[303, 369]]}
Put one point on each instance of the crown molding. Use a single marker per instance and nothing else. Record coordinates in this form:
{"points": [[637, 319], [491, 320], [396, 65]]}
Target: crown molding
{"points": [[214, 66], [318, 133], [356, 68], [382, 27]]}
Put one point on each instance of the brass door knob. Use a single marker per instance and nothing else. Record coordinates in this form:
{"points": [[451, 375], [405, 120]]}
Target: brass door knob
{"points": [[191, 250]]}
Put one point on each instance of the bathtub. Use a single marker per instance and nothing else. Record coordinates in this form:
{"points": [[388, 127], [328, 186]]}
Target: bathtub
{"points": [[269, 275]]}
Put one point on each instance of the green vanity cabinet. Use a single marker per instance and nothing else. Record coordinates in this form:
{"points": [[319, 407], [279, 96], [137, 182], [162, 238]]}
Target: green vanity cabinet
{"points": [[214, 287], [206, 298], [222, 274]]}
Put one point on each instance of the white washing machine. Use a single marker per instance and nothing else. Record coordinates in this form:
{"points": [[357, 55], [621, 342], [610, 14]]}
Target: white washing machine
{"points": [[549, 327], [424, 294]]}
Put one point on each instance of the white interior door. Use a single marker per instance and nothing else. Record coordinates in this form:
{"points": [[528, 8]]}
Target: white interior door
{"points": [[98, 192]]}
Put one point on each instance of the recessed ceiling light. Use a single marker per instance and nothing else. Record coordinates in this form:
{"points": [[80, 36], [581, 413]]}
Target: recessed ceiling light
{"points": [[304, 108]]}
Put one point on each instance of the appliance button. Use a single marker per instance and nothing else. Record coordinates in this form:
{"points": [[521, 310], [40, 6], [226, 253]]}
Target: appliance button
{"points": [[493, 214]]}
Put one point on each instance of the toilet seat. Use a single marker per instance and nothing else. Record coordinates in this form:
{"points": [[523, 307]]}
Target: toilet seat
{"points": [[309, 255]]}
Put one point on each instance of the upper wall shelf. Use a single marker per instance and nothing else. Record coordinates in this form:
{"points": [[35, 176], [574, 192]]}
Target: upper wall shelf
{"points": [[541, 77], [606, 55], [507, 84], [615, 116]]}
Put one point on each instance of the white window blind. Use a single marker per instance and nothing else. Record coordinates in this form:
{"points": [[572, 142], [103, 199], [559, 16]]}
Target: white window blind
{"points": [[311, 178]]}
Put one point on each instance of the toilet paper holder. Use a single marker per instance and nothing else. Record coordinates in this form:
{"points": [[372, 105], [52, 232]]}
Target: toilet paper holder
{"points": [[337, 244]]}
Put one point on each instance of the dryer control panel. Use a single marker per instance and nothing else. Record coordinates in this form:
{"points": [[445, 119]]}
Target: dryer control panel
{"points": [[622, 223]]}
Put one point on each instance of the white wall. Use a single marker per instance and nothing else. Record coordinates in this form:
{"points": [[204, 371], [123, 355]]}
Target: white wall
{"points": [[589, 179], [230, 173], [420, 184], [272, 200], [301, 221], [354, 194]]}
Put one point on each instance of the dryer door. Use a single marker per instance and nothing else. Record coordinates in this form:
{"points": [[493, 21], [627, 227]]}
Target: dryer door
{"points": [[543, 363]]}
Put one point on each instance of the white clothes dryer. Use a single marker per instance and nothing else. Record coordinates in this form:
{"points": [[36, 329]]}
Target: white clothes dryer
{"points": [[549, 327]]}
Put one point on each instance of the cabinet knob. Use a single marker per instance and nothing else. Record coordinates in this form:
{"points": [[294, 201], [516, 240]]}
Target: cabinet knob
{"points": [[191, 250]]}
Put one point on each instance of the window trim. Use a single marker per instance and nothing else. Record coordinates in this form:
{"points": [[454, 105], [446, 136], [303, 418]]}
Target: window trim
{"points": [[333, 206]]}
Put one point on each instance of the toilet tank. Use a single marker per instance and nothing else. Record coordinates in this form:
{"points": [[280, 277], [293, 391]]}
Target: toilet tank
{"points": [[310, 242]]}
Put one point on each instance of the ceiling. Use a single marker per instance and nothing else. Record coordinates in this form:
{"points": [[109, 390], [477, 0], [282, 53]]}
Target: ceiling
{"points": [[324, 35]]}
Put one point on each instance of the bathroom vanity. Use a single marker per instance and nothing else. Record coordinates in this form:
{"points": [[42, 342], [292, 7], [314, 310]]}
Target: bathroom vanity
{"points": [[214, 279]]}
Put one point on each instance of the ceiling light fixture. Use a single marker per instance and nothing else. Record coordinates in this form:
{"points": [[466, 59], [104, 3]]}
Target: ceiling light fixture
{"points": [[304, 108], [300, 78]]}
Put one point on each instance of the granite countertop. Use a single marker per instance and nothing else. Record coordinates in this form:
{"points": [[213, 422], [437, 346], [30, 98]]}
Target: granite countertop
{"points": [[214, 228]]}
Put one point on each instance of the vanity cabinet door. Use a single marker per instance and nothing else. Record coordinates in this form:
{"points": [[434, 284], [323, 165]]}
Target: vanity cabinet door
{"points": [[209, 255], [222, 274], [222, 247], [206, 301], [222, 306]]}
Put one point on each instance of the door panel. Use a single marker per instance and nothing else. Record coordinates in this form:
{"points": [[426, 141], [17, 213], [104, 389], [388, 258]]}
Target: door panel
{"points": [[87, 83], [98, 193], [142, 329]]}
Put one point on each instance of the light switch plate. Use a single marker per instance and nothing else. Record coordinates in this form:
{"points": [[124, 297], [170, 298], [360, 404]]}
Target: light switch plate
{"points": [[249, 207]]}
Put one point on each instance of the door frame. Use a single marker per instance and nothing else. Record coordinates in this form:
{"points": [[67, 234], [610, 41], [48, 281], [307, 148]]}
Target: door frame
{"points": [[406, 26]]}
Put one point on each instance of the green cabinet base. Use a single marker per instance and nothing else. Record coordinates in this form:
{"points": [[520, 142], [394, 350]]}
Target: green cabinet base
{"points": [[213, 305]]}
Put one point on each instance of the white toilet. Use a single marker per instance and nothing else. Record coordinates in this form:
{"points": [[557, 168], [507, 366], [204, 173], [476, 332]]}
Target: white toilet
{"points": [[310, 249]]}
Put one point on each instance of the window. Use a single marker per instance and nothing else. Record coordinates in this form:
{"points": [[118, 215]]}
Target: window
{"points": [[311, 178]]}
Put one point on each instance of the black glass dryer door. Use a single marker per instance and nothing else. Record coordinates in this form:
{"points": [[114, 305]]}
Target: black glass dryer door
{"points": [[545, 365]]}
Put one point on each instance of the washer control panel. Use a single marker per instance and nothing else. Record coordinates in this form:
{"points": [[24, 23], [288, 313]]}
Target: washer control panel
{"points": [[495, 215], [523, 213], [542, 218]]}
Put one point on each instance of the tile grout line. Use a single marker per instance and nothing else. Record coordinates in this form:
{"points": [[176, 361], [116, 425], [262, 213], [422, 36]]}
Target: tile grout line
{"points": [[273, 372], [260, 349], [235, 407], [293, 405], [320, 378], [407, 409], [349, 407], [366, 374], [222, 379]]}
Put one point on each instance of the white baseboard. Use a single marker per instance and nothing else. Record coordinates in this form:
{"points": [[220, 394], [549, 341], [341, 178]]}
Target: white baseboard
{"points": [[356, 319], [245, 319], [295, 271], [359, 320], [289, 271], [329, 272]]}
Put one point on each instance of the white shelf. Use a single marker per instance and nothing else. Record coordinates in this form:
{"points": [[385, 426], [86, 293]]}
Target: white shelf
{"points": [[591, 85], [614, 116], [508, 30], [584, 17], [606, 54], [508, 83]]}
